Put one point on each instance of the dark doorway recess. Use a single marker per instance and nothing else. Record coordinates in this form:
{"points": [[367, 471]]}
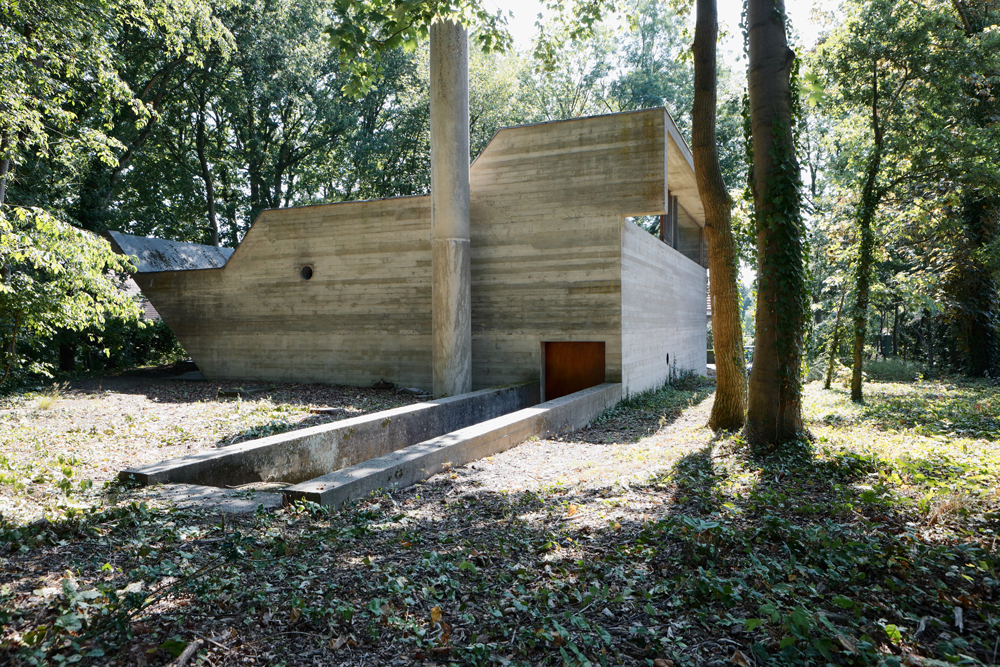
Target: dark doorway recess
{"points": [[572, 367]]}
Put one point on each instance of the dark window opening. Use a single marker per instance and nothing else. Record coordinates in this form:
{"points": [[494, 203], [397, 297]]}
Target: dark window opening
{"points": [[307, 272], [571, 367]]}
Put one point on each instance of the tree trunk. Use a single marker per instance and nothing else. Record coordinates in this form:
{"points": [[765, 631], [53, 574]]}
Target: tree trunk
{"points": [[930, 346], [4, 166], [206, 173], [978, 291], [870, 197], [774, 414], [895, 330], [729, 408], [835, 343]]}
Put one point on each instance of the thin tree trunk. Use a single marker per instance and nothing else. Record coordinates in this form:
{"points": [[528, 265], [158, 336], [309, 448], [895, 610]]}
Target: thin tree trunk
{"points": [[206, 173], [895, 330], [4, 166], [774, 413], [930, 346], [12, 348], [729, 408], [866, 216], [881, 333], [835, 343]]}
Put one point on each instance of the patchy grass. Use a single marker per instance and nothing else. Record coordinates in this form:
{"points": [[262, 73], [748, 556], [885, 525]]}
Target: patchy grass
{"points": [[61, 446], [642, 415], [874, 545]]}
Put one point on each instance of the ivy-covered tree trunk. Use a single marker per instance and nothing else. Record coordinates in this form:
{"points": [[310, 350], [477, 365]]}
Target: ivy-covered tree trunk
{"points": [[870, 196], [729, 408], [774, 413], [4, 166]]}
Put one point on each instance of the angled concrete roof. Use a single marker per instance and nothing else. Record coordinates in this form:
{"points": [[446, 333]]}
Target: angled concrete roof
{"points": [[154, 255]]}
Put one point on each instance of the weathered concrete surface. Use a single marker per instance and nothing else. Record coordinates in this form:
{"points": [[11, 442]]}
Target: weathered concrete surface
{"points": [[663, 311], [153, 255], [230, 501], [451, 317], [546, 263], [547, 208], [451, 287], [301, 455], [364, 316], [417, 462]]}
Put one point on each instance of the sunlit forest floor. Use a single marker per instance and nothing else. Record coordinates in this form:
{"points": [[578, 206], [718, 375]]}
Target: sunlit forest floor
{"points": [[642, 540]]}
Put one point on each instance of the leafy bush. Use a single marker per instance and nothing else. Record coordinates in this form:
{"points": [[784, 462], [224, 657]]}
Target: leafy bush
{"points": [[128, 344], [893, 370], [818, 367], [54, 277]]}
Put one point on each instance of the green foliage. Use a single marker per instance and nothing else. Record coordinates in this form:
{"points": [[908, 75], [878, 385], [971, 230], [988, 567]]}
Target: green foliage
{"points": [[72, 103], [893, 370], [128, 343], [908, 92], [54, 277], [363, 32], [853, 551]]}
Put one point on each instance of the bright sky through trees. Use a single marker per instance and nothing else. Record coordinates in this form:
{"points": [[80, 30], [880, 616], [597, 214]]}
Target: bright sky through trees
{"points": [[522, 25]]}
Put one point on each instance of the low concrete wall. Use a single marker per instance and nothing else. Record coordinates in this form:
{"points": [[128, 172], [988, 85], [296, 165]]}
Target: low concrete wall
{"points": [[410, 465], [302, 455]]}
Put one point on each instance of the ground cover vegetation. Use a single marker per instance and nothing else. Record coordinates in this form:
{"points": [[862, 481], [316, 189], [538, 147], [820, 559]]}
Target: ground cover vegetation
{"points": [[648, 541], [104, 425]]}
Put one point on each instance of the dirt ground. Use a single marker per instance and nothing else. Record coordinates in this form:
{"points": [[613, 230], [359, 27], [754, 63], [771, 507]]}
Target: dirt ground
{"points": [[76, 436], [641, 540]]}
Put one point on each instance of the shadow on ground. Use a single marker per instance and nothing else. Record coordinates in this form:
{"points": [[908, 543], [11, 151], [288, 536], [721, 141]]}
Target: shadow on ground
{"points": [[801, 558]]}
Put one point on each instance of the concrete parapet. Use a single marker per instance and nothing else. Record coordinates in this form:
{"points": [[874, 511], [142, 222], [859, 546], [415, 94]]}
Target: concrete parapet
{"points": [[417, 462], [308, 453]]}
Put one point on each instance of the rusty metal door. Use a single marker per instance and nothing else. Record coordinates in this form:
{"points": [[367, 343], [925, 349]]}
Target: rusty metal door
{"points": [[572, 367]]}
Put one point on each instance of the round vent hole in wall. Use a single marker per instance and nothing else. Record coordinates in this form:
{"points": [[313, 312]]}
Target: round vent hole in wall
{"points": [[307, 272]]}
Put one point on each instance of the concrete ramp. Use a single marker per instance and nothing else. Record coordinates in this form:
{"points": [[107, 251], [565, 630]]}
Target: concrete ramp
{"points": [[302, 455], [417, 462]]}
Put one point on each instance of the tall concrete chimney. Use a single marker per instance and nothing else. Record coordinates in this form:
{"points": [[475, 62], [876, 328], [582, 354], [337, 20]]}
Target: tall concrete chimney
{"points": [[451, 318]]}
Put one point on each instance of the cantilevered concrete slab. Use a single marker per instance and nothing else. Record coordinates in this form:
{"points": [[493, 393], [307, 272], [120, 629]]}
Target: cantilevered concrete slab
{"points": [[307, 453], [409, 465]]}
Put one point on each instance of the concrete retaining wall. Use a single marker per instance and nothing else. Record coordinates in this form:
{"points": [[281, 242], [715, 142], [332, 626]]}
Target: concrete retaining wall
{"points": [[302, 455], [412, 464]]}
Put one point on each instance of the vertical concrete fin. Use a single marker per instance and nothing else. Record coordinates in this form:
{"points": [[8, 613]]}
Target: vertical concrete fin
{"points": [[451, 319]]}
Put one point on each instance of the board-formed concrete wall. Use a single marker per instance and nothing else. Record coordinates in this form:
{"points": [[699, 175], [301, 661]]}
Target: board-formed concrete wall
{"points": [[546, 258], [550, 262], [663, 311], [364, 315]]}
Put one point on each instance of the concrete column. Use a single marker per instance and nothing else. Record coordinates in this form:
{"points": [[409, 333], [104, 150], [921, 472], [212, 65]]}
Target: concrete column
{"points": [[451, 318]]}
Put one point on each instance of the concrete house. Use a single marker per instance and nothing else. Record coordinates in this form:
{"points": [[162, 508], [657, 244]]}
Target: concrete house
{"points": [[565, 288]]}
